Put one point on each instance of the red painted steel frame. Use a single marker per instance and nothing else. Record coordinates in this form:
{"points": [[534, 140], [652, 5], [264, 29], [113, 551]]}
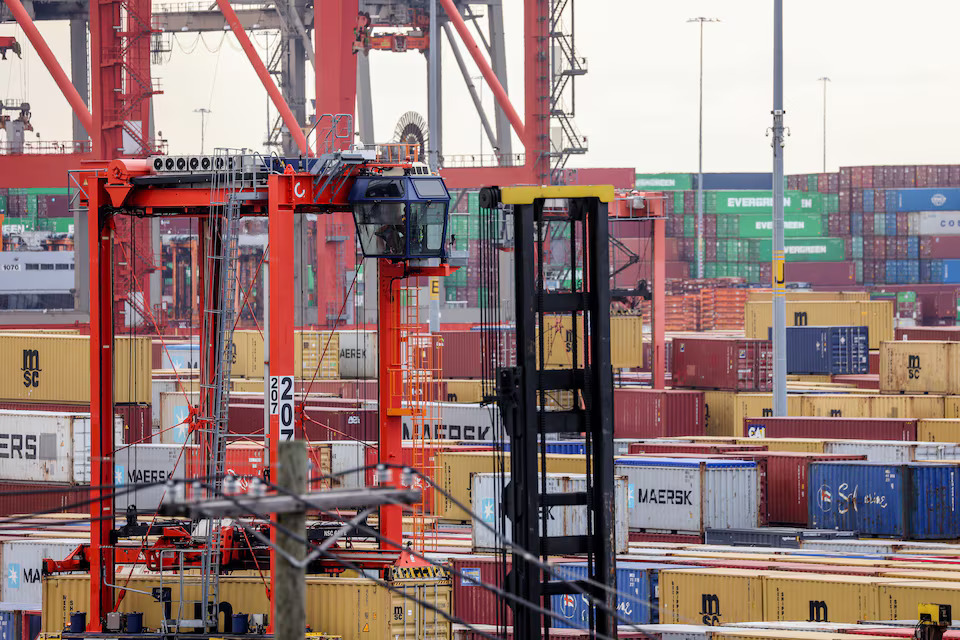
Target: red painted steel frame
{"points": [[50, 61], [336, 65], [659, 301]]}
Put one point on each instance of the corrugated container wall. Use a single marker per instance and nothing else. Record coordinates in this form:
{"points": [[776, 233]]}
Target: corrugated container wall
{"points": [[876, 315], [942, 430], [920, 366], [889, 452], [852, 428], [358, 354], [654, 413], [710, 596], [690, 495], [486, 489], [819, 598], [827, 350], [143, 464], [23, 563], [56, 368], [731, 364]]}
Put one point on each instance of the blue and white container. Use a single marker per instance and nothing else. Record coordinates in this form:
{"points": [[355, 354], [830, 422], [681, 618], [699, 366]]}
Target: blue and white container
{"points": [[635, 603], [913, 501], [689, 495], [827, 350], [934, 223], [927, 199]]}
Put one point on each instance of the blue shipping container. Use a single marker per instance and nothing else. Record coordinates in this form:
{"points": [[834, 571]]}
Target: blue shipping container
{"points": [[890, 204], [637, 589], [913, 248], [935, 199], [890, 224], [10, 625], [867, 200], [822, 351], [950, 271], [738, 181], [913, 501]]}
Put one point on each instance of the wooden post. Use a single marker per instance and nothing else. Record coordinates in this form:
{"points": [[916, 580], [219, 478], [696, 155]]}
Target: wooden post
{"points": [[290, 598]]}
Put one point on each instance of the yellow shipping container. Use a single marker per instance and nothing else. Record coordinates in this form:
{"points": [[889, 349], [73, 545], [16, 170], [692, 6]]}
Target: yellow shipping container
{"points": [[56, 368], [710, 596], [919, 366], [308, 346], [464, 390], [754, 295], [899, 600], [798, 445], [719, 408], [951, 407], [455, 471], [788, 634], [626, 341], [877, 315], [757, 405], [919, 574], [818, 598], [872, 406], [354, 608], [939, 430]]}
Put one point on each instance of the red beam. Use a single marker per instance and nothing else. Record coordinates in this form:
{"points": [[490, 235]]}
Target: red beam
{"points": [[30, 171], [336, 64], [658, 314], [501, 96], [50, 61], [295, 128], [475, 177], [536, 88]]}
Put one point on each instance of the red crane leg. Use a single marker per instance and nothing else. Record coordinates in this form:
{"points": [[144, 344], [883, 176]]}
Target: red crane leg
{"points": [[659, 301], [391, 429]]}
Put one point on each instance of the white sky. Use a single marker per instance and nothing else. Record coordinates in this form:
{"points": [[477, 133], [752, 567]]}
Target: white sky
{"points": [[893, 97]]}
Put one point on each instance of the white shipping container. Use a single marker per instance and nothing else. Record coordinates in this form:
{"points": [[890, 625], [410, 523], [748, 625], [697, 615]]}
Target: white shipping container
{"points": [[872, 547], [174, 410], [690, 495], [180, 357], [146, 463], [46, 446], [892, 451], [358, 354], [934, 223], [346, 455], [486, 492], [22, 563], [461, 421]]}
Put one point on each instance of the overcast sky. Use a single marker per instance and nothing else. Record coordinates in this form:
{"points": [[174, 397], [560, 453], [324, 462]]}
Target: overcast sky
{"points": [[892, 100]]}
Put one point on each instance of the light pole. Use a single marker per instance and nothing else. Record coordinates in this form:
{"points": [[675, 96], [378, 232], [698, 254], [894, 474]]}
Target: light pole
{"points": [[779, 281], [700, 246], [824, 80], [203, 117]]}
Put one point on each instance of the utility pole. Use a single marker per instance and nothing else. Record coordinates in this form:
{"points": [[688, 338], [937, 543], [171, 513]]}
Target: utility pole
{"points": [[290, 598], [700, 241], [824, 80], [203, 111], [779, 283]]}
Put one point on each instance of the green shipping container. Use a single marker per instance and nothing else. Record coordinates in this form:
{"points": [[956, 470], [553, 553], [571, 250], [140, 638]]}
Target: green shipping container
{"points": [[796, 225], [858, 269], [856, 248], [3, 204], [906, 297], [761, 202], [664, 181], [17, 225], [831, 202], [812, 179], [879, 225], [47, 191], [678, 202], [709, 269], [689, 226], [801, 250], [59, 225]]}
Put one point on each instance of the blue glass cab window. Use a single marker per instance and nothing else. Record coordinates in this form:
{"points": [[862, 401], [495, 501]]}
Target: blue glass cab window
{"points": [[400, 217]]}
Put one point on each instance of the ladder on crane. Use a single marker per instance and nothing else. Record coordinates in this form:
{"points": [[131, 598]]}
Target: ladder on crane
{"points": [[219, 318]]}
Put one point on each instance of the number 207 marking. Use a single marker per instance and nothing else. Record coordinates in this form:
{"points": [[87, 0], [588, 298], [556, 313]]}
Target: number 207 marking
{"points": [[281, 404]]}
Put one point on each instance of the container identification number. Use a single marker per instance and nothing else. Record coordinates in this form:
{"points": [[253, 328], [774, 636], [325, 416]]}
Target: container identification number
{"points": [[281, 404]]}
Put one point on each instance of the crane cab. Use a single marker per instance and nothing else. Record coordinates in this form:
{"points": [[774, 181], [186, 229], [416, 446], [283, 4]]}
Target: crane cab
{"points": [[401, 217]]}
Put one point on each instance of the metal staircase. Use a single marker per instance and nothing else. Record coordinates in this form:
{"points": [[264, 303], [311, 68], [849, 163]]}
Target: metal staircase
{"points": [[222, 231]]}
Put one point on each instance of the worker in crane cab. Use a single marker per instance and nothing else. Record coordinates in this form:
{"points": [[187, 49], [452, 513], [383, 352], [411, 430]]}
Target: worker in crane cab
{"points": [[382, 223], [392, 235]]}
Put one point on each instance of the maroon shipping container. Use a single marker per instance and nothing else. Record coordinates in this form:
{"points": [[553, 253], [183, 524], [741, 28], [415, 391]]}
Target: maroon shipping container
{"points": [[860, 381], [320, 423], [821, 273], [939, 247], [137, 422], [786, 482], [656, 413], [846, 177], [472, 603], [41, 497], [677, 270], [874, 362], [620, 178], [732, 364], [846, 201], [943, 334], [696, 448], [898, 429]]}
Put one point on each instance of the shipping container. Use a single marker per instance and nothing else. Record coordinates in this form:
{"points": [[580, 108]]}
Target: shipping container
{"points": [[653, 413], [943, 334], [725, 411], [827, 350], [663, 181], [890, 452], [900, 600], [938, 199], [316, 354], [819, 598], [39, 446], [788, 445], [358, 354], [455, 471], [938, 430], [56, 368], [920, 366], [913, 501], [730, 364], [141, 464], [877, 316], [351, 608], [23, 564], [635, 588], [834, 274], [487, 489], [711, 597], [19, 498], [859, 405], [826, 427], [690, 495]]}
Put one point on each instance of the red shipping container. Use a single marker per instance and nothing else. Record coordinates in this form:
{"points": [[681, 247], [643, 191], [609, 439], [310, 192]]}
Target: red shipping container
{"points": [[710, 251], [867, 177], [472, 603], [846, 176], [856, 200], [846, 202], [844, 428], [620, 178], [821, 273], [833, 183], [879, 200], [939, 247], [954, 179], [677, 270], [656, 413], [786, 482], [733, 364], [42, 497], [943, 334], [860, 381], [695, 448], [137, 422]]}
